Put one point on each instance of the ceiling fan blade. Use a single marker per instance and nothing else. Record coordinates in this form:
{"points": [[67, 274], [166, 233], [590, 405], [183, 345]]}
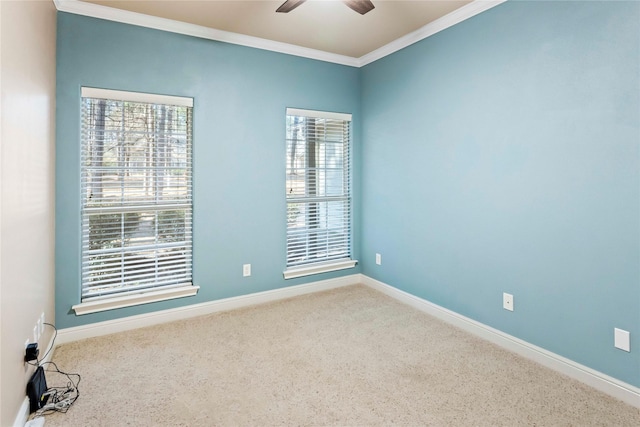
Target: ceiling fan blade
{"points": [[289, 5], [360, 6]]}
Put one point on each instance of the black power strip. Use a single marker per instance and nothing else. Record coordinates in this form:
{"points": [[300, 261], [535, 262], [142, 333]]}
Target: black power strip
{"points": [[36, 390]]}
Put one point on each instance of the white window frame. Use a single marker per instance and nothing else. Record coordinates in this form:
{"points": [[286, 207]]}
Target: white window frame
{"points": [[312, 262], [91, 303]]}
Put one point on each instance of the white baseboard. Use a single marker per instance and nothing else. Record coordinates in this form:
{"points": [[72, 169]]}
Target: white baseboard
{"points": [[139, 321], [23, 414], [602, 382]]}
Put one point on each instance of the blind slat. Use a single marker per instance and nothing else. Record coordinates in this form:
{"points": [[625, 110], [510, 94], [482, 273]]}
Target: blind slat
{"points": [[317, 187], [136, 194]]}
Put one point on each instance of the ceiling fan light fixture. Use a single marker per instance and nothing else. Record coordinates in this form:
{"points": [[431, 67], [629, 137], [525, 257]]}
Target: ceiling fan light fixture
{"points": [[360, 6], [289, 5]]}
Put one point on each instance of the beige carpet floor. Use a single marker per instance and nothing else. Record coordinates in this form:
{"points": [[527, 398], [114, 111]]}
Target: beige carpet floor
{"points": [[350, 356]]}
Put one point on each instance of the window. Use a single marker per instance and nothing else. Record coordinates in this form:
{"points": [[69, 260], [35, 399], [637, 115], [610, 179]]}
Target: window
{"points": [[136, 199], [318, 192]]}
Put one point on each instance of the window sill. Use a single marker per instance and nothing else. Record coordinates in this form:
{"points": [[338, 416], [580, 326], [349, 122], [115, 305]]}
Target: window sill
{"points": [[135, 299], [308, 270]]}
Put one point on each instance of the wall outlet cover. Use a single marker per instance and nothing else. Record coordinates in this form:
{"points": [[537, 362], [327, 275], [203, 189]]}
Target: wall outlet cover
{"points": [[507, 301], [621, 339]]}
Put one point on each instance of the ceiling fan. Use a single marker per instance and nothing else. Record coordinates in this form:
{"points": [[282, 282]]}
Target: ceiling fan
{"points": [[360, 6]]}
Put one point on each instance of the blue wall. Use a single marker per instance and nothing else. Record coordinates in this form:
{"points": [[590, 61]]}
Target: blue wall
{"points": [[240, 97], [502, 155]]}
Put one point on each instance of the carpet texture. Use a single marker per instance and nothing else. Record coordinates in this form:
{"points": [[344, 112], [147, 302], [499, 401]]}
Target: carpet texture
{"points": [[350, 356]]}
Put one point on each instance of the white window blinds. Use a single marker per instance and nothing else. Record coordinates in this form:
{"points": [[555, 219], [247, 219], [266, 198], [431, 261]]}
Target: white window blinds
{"points": [[318, 190], [136, 193]]}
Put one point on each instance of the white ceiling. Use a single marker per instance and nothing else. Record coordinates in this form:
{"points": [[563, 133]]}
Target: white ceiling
{"points": [[327, 30]]}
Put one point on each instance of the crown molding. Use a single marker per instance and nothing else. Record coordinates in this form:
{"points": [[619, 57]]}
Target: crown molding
{"points": [[126, 17], [163, 24], [449, 20]]}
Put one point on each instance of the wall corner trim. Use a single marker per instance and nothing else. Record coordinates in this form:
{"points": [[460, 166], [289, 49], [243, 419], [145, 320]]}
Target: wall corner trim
{"points": [[598, 380]]}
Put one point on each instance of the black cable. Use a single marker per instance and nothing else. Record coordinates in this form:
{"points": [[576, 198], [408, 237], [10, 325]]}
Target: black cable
{"points": [[58, 394], [51, 345], [53, 341], [60, 398]]}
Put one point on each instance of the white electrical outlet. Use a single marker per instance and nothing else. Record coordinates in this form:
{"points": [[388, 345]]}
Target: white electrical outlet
{"points": [[35, 333], [621, 339], [246, 270], [507, 301], [41, 323], [378, 259]]}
